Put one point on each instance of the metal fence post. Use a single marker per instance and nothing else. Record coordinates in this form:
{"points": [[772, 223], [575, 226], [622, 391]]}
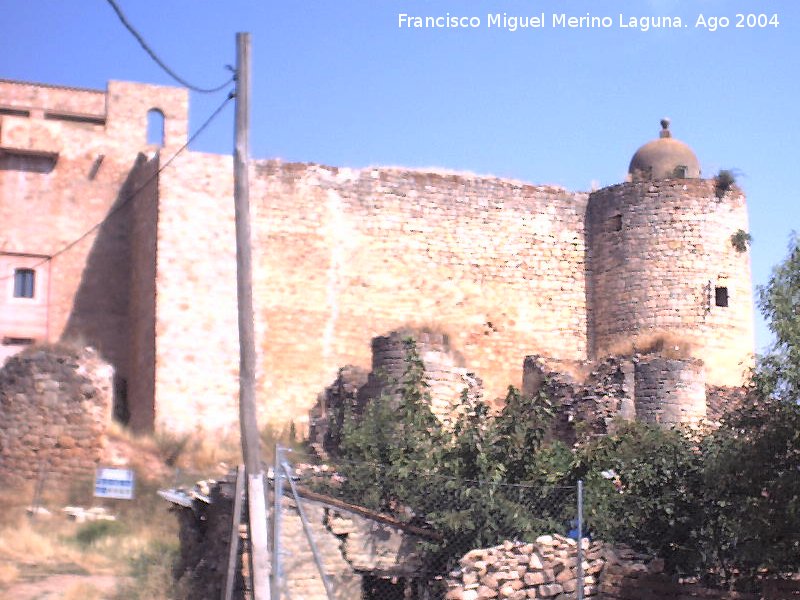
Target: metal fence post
{"points": [[580, 539], [277, 489]]}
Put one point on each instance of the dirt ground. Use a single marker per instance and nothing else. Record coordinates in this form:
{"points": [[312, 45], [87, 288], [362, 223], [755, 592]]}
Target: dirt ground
{"points": [[62, 587]]}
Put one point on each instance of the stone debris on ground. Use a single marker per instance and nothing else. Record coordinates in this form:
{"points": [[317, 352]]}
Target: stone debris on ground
{"points": [[546, 568], [80, 514]]}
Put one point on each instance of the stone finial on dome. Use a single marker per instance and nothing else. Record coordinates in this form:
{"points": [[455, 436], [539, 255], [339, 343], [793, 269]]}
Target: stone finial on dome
{"points": [[665, 132], [664, 158]]}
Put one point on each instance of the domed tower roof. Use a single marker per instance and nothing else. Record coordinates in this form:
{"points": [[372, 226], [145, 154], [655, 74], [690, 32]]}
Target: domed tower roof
{"points": [[664, 158]]}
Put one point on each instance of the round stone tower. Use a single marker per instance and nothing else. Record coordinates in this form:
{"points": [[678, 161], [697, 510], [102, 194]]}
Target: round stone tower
{"points": [[664, 264]]}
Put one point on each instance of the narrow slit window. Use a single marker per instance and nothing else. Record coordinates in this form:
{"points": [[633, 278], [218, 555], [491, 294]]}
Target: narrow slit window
{"points": [[24, 283], [721, 296]]}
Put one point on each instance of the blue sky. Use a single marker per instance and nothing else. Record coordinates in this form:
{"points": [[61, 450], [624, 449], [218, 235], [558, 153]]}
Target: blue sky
{"points": [[340, 83]]}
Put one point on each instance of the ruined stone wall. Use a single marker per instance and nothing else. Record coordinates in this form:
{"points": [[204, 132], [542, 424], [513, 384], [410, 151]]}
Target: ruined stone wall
{"points": [[444, 377], [591, 396], [669, 391], [589, 400], [55, 405], [445, 374], [350, 546], [68, 179], [657, 252]]}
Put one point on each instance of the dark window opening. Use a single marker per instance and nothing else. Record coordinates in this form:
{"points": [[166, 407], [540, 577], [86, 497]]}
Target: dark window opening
{"points": [[14, 112], [721, 296], [75, 118], [121, 411], [24, 283], [28, 162], [17, 341], [155, 127], [680, 171], [615, 223]]}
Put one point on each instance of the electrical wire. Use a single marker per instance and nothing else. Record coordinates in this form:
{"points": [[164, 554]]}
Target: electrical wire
{"points": [[134, 193], [158, 60]]}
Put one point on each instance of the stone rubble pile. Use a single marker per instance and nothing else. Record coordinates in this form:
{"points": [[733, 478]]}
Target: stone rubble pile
{"points": [[546, 568]]}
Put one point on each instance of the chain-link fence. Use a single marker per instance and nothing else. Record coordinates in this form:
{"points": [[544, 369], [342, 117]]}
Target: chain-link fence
{"points": [[369, 531]]}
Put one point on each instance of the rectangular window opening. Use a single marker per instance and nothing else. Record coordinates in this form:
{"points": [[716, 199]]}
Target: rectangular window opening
{"points": [[17, 341], [14, 112], [75, 118], [24, 283], [615, 223], [721, 296]]}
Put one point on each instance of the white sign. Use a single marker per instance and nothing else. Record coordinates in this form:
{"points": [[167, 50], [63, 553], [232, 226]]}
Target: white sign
{"points": [[114, 483]]}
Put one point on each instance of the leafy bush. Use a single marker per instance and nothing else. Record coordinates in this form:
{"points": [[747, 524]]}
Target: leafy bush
{"points": [[643, 487], [476, 479]]}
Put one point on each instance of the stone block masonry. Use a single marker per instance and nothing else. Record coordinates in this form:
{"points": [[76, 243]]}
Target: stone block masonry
{"points": [[354, 544], [55, 406], [342, 256], [75, 169], [661, 262]]}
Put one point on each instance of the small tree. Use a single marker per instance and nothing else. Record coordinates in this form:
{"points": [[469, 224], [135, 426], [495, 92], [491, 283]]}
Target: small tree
{"points": [[752, 490], [778, 372]]}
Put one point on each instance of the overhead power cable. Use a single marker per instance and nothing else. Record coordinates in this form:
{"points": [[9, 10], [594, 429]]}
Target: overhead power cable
{"points": [[158, 60], [134, 193]]}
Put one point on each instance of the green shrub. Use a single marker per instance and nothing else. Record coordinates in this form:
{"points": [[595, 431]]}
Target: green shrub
{"points": [[90, 533]]}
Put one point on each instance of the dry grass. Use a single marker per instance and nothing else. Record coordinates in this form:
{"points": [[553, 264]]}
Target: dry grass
{"points": [[665, 344], [157, 456], [139, 549], [83, 591], [52, 546]]}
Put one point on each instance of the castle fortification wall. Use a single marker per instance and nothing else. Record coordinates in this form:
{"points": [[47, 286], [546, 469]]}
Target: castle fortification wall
{"points": [[660, 254], [140, 263], [342, 256]]}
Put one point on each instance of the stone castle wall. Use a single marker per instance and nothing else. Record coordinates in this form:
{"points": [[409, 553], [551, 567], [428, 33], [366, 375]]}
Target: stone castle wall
{"points": [[658, 250], [342, 256], [445, 374]]}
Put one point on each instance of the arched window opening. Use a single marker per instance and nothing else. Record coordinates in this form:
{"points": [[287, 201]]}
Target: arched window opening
{"points": [[155, 127]]}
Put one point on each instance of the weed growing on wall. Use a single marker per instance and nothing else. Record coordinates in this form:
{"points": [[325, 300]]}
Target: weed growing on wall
{"points": [[741, 240], [724, 182]]}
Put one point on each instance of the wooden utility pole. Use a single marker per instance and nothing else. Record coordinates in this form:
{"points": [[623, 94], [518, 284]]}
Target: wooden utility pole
{"points": [[254, 472]]}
